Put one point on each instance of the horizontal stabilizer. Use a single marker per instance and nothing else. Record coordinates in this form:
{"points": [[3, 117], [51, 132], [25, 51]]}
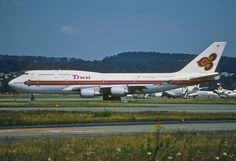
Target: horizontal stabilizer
{"points": [[205, 77]]}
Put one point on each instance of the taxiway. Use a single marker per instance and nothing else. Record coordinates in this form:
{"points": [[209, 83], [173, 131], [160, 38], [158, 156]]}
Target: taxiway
{"points": [[101, 129]]}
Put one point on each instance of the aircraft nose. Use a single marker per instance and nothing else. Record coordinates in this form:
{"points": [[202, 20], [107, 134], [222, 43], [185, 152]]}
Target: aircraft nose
{"points": [[16, 84], [11, 83]]}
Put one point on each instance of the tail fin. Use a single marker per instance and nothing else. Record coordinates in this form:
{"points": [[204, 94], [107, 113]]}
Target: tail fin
{"points": [[219, 89], [207, 61]]}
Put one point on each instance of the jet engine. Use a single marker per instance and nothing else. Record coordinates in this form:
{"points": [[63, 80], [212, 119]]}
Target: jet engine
{"points": [[89, 92], [119, 91]]}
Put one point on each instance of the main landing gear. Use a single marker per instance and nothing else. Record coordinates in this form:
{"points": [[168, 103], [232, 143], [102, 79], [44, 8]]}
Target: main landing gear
{"points": [[109, 98]]}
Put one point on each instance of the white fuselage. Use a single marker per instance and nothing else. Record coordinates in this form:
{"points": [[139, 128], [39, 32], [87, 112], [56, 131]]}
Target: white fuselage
{"points": [[64, 81], [204, 94], [226, 93]]}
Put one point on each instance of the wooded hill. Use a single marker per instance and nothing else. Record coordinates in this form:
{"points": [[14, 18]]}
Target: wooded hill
{"points": [[147, 62]]}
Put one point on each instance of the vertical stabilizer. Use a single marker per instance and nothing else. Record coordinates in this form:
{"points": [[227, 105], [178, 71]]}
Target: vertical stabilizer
{"points": [[207, 61]]}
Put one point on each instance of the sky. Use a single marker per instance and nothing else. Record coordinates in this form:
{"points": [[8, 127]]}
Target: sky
{"points": [[94, 29]]}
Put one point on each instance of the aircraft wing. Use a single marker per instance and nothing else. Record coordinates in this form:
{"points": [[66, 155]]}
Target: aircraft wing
{"points": [[105, 89], [169, 94], [205, 77], [133, 88], [72, 88]]}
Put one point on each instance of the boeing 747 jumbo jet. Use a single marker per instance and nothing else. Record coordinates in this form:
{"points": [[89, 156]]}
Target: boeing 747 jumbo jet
{"points": [[115, 85]]}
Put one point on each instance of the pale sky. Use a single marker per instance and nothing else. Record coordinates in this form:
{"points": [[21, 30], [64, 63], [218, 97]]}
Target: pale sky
{"points": [[93, 29]]}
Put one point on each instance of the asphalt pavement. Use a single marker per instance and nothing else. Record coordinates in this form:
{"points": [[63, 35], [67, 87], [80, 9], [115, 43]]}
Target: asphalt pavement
{"points": [[118, 129]]}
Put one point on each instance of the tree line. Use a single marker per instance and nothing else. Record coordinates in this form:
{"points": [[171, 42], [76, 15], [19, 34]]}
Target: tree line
{"points": [[135, 62]]}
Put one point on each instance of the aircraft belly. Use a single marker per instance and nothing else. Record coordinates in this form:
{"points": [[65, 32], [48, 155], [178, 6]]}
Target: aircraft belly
{"points": [[46, 89]]}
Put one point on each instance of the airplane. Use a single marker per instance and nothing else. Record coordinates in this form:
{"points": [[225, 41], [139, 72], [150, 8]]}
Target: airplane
{"points": [[218, 92], [177, 93], [112, 86], [224, 93], [208, 94], [181, 92]]}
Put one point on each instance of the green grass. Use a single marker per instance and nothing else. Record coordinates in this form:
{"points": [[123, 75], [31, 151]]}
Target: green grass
{"points": [[177, 147], [188, 101], [9, 118], [67, 104], [131, 103]]}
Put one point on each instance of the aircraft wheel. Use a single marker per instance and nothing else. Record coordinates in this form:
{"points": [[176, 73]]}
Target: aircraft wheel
{"points": [[109, 98]]}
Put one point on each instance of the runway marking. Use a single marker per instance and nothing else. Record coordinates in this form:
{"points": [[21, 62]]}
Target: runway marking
{"points": [[47, 131]]}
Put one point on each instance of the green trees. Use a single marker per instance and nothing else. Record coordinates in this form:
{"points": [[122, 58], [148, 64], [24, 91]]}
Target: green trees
{"points": [[145, 62]]}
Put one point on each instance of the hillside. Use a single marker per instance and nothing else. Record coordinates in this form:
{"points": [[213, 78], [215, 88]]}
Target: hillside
{"points": [[123, 62]]}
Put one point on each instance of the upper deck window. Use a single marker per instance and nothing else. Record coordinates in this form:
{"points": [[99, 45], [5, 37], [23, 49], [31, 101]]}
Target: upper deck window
{"points": [[46, 74], [64, 74]]}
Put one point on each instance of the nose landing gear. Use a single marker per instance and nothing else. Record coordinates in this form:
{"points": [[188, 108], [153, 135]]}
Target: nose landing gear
{"points": [[32, 98]]}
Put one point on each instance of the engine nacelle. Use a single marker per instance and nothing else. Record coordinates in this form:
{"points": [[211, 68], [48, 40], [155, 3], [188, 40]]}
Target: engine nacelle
{"points": [[119, 91], [89, 92]]}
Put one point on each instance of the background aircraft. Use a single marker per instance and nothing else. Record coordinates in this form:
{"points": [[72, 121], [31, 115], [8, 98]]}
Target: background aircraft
{"points": [[181, 92], [208, 94], [224, 92], [218, 92], [177, 93], [114, 85], [195, 91]]}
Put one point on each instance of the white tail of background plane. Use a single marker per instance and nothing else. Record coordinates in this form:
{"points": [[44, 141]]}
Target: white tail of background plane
{"points": [[207, 61]]}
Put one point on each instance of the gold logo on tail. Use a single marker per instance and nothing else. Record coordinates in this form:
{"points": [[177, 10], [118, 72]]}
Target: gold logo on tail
{"points": [[207, 62]]}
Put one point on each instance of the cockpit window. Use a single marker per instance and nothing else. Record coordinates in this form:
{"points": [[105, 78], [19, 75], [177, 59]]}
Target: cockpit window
{"points": [[25, 73]]}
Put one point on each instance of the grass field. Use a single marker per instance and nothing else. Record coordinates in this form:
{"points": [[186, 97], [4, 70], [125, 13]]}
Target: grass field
{"points": [[150, 147], [130, 103], [12, 118], [66, 104], [226, 101]]}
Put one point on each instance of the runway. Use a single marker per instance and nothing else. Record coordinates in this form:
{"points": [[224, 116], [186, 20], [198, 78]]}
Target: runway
{"points": [[119, 129], [145, 107]]}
